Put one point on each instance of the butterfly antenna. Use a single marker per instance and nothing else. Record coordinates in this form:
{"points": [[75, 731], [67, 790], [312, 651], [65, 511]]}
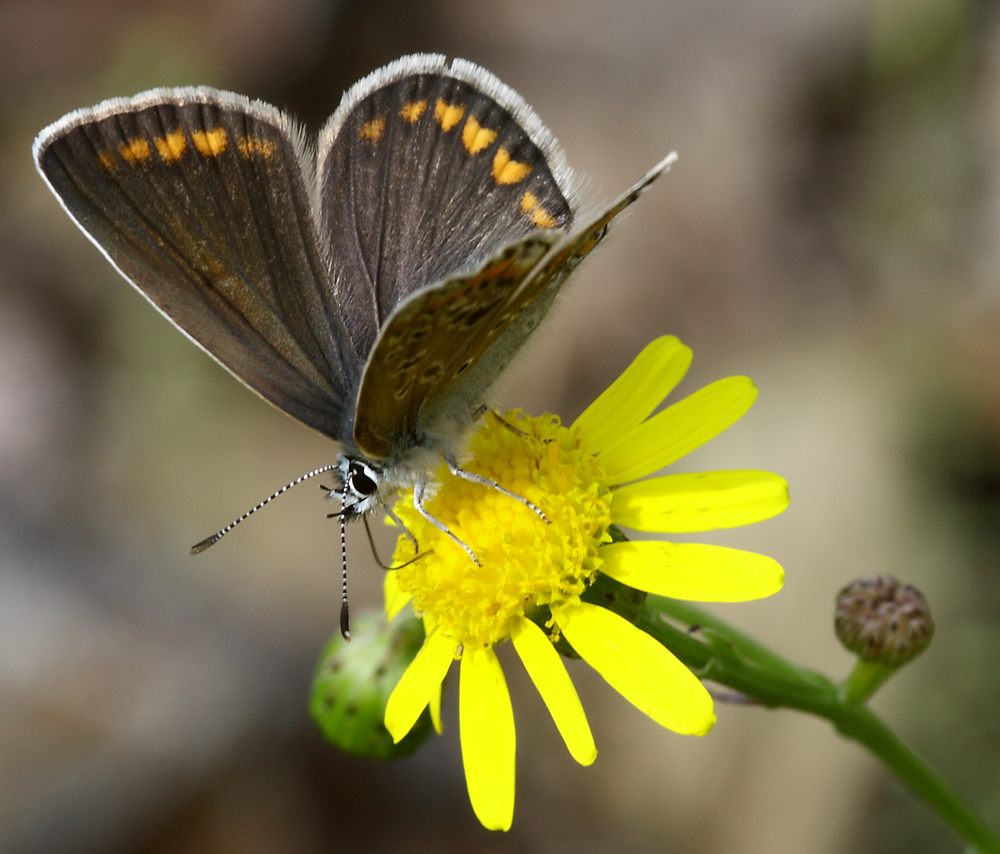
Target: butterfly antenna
{"points": [[378, 560], [345, 617], [211, 541]]}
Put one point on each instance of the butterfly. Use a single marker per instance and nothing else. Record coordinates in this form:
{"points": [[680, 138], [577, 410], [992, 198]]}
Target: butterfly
{"points": [[372, 284]]}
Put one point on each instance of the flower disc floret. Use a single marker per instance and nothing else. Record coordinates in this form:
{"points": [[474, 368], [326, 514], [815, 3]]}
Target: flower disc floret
{"points": [[525, 561]]}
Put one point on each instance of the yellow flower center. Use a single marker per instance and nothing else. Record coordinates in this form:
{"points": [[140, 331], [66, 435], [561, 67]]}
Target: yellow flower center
{"points": [[524, 562]]}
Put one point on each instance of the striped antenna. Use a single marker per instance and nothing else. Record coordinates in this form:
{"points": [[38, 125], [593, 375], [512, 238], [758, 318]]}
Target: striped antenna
{"points": [[211, 541], [345, 618]]}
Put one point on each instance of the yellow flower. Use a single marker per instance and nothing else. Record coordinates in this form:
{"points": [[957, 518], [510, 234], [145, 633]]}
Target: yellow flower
{"points": [[584, 478]]}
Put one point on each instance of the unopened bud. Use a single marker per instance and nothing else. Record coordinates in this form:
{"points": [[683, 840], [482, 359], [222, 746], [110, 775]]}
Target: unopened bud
{"points": [[883, 621], [353, 681]]}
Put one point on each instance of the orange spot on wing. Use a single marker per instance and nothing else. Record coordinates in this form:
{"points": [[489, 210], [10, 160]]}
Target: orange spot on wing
{"points": [[108, 159], [372, 131], [448, 115], [256, 146], [413, 111], [475, 137], [507, 171], [542, 218], [537, 215], [135, 150], [171, 146], [210, 143]]}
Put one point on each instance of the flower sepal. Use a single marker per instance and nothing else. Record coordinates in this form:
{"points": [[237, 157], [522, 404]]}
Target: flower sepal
{"points": [[352, 683], [605, 591]]}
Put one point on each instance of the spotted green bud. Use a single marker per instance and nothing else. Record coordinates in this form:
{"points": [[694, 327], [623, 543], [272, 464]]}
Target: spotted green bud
{"points": [[883, 621], [353, 681]]}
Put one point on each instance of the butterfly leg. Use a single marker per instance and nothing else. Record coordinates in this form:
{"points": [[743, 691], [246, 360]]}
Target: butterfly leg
{"points": [[517, 431], [482, 410], [472, 477], [418, 502], [406, 531]]}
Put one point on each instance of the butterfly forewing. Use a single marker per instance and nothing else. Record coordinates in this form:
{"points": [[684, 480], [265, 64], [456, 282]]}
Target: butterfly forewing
{"points": [[425, 176], [199, 199]]}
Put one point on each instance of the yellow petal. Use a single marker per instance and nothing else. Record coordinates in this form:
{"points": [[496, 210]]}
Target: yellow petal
{"points": [[637, 392], [552, 681], [637, 667], [395, 599], [678, 430], [486, 724], [435, 707], [691, 571], [418, 684], [699, 502]]}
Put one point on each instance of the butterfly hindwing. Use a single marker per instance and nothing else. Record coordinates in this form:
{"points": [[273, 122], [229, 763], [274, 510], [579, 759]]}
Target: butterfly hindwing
{"points": [[528, 306], [200, 199], [430, 341], [426, 171], [449, 343]]}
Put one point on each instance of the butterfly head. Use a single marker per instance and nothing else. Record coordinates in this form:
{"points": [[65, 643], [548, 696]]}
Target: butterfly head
{"points": [[360, 484]]}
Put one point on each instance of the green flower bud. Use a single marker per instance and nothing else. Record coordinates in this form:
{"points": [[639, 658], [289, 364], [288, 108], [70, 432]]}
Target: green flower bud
{"points": [[883, 621], [353, 681]]}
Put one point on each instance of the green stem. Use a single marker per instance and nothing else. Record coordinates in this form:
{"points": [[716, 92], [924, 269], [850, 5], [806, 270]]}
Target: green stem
{"points": [[860, 723], [745, 645], [727, 656], [864, 680]]}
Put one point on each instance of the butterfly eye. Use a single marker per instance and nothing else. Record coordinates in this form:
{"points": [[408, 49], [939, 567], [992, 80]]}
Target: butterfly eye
{"points": [[361, 483]]}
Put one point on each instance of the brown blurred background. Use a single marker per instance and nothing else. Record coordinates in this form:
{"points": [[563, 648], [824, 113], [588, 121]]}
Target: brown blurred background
{"points": [[831, 230]]}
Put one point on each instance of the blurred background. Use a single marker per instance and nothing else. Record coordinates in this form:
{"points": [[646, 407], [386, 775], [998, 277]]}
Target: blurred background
{"points": [[831, 230]]}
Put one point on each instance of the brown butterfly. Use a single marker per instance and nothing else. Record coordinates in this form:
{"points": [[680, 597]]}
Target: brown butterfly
{"points": [[373, 285]]}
